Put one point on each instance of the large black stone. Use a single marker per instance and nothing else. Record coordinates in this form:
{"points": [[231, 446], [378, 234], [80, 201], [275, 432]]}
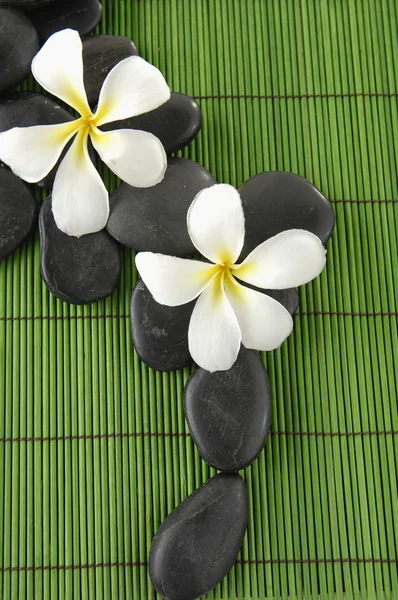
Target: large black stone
{"points": [[100, 54], [175, 123], [276, 201], [77, 270], [18, 45], [155, 219], [81, 15], [288, 298], [26, 109], [229, 412], [24, 4], [160, 333], [197, 544], [18, 212]]}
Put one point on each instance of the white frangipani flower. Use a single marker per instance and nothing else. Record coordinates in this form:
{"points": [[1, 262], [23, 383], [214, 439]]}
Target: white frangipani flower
{"points": [[227, 313], [79, 198]]}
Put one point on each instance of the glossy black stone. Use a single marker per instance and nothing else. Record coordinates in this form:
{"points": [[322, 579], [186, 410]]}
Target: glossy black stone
{"points": [[26, 109], [18, 45], [229, 412], [197, 544], [18, 212], [24, 4], [155, 219], [100, 54], [276, 201], [160, 333], [77, 270], [175, 123], [288, 298], [81, 15]]}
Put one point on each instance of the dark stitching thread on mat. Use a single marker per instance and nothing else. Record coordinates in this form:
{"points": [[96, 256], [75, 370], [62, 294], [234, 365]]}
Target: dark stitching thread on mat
{"points": [[310, 561], [73, 567], [346, 314], [157, 434], [281, 561], [64, 318], [390, 201], [296, 96], [99, 317]]}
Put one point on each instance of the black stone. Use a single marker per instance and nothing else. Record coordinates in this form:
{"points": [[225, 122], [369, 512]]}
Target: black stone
{"points": [[288, 298], [24, 4], [160, 333], [175, 123], [81, 15], [26, 109], [18, 45], [229, 412], [155, 219], [18, 212], [77, 270], [276, 201], [100, 54], [197, 544]]}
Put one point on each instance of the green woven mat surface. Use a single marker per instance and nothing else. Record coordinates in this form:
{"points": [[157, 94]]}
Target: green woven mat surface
{"points": [[94, 448]]}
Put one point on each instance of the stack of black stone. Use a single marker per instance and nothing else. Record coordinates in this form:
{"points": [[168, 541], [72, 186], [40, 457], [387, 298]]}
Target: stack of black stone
{"points": [[24, 26], [228, 412]]}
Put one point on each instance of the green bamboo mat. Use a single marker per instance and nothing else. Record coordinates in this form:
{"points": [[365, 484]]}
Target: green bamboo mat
{"points": [[94, 449]]}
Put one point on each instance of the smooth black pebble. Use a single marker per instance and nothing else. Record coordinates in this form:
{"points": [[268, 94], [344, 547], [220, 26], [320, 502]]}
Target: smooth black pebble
{"points": [[289, 298], [18, 45], [24, 4], [100, 54], [81, 15], [175, 123], [77, 270], [197, 544], [276, 201], [229, 412], [160, 333], [26, 109], [18, 212], [155, 219]]}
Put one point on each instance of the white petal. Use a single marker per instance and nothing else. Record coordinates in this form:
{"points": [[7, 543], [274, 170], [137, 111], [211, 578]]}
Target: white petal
{"points": [[58, 67], [263, 321], [132, 87], [289, 259], [79, 199], [32, 152], [214, 335], [135, 156], [216, 223], [173, 281]]}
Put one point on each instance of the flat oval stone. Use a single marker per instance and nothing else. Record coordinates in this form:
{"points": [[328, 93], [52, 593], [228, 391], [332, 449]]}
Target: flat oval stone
{"points": [[276, 201], [81, 15], [229, 412], [155, 219], [26, 109], [197, 544], [77, 270], [18, 45], [18, 212], [160, 333], [100, 54], [175, 123]]}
